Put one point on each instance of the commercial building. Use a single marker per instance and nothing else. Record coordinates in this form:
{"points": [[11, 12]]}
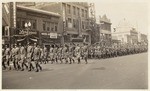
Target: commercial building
{"points": [[73, 23], [33, 25], [125, 32], [105, 30]]}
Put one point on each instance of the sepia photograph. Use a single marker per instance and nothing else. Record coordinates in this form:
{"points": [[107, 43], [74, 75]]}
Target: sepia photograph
{"points": [[90, 44]]}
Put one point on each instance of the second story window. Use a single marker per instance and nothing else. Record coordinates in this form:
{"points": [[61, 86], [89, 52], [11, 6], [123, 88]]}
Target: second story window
{"points": [[44, 26], [69, 9], [55, 28], [78, 11], [82, 13], [74, 10], [34, 24]]}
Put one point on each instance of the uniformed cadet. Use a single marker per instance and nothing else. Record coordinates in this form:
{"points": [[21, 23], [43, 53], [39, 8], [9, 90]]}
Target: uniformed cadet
{"points": [[12, 54], [23, 55], [36, 57], [85, 50], [64, 53], [51, 54], [7, 54], [71, 51], [78, 53], [17, 57], [55, 54], [59, 54], [4, 58], [29, 57], [45, 55]]}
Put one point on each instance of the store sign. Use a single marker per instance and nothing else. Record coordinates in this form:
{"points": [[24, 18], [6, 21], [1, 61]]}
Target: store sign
{"points": [[22, 32], [53, 35]]}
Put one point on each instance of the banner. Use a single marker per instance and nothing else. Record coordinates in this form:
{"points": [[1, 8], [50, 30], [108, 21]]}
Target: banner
{"points": [[19, 40], [53, 35]]}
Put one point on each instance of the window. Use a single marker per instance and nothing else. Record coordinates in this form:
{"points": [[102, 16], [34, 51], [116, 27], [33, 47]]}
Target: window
{"points": [[78, 10], [47, 28], [52, 27], [69, 20], [23, 24], [82, 24], [74, 10], [69, 9], [34, 24], [86, 14], [82, 13], [74, 23], [44, 26], [18, 23], [3, 30], [55, 28]]}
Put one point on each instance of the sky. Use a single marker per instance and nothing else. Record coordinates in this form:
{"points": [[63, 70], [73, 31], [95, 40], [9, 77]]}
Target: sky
{"points": [[136, 13]]}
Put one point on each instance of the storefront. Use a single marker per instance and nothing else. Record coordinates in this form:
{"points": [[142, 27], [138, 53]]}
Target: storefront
{"points": [[49, 38]]}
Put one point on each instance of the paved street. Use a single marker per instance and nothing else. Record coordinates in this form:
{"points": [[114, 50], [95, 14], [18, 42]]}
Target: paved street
{"points": [[126, 72]]}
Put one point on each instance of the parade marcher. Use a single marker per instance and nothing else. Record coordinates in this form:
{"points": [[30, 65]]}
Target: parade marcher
{"points": [[45, 54], [55, 54], [4, 58], [64, 53], [51, 54], [78, 53], [23, 55], [59, 54], [71, 52], [85, 55], [36, 57], [17, 57], [7, 54], [29, 57], [12, 56]]}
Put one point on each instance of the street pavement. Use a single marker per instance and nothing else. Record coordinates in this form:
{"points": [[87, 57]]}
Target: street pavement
{"points": [[126, 72]]}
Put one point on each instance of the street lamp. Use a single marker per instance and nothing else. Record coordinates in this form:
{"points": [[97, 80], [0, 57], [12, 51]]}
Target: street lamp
{"points": [[27, 25]]}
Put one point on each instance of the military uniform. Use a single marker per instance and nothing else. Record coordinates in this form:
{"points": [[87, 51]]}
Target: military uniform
{"points": [[36, 57], [7, 54], [17, 57], [23, 55], [29, 57]]}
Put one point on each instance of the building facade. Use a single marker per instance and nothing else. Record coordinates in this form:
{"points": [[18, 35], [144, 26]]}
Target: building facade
{"points": [[105, 30], [125, 32], [41, 26], [144, 38], [73, 23], [43, 29]]}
